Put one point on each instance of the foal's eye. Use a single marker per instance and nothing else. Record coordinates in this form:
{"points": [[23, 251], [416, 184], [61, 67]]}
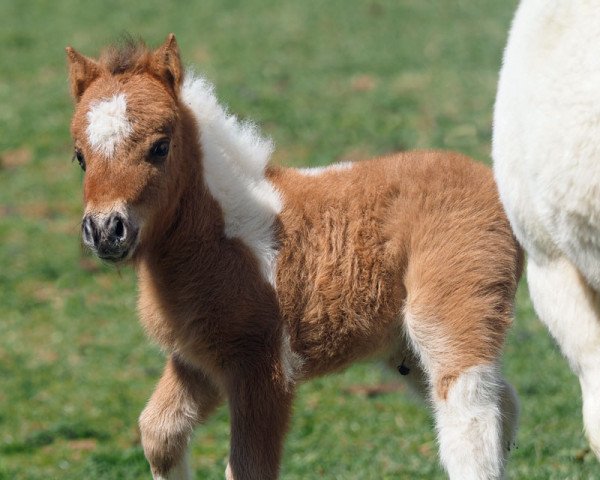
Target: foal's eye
{"points": [[160, 150], [80, 159]]}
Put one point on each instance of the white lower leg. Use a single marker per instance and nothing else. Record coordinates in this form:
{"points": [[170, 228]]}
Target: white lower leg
{"points": [[571, 311], [590, 389], [181, 471], [469, 424]]}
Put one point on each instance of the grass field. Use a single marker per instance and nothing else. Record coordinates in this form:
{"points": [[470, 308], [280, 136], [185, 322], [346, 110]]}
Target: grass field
{"points": [[328, 81]]}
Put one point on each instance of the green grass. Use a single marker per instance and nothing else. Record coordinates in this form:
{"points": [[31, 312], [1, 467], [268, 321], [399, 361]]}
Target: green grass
{"points": [[328, 81]]}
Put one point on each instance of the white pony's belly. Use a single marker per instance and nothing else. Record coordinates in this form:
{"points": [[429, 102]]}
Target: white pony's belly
{"points": [[546, 144]]}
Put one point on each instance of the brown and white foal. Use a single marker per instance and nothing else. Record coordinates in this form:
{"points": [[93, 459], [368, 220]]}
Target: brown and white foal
{"points": [[254, 277]]}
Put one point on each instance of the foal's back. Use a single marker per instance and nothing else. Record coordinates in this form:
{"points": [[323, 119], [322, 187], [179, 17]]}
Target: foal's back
{"points": [[362, 242]]}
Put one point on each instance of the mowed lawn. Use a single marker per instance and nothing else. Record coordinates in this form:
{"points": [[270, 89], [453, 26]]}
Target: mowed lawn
{"points": [[328, 81]]}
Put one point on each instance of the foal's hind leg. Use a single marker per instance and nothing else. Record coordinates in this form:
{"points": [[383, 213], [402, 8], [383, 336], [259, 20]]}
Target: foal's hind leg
{"points": [[476, 410], [571, 310], [508, 403], [183, 398], [457, 331]]}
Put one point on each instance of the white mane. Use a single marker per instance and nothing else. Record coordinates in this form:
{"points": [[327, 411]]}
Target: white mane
{"points": [[234, 158]]}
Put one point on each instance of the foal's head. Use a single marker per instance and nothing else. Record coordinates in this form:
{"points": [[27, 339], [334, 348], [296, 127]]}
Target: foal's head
{"points": [[127, 133]]}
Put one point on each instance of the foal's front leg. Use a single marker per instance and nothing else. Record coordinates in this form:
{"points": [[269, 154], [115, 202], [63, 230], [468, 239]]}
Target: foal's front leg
{"points": [[183, 398], [260, 405]]}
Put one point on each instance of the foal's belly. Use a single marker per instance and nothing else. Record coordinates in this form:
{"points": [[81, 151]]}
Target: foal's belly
{"points": [[331, 343]]}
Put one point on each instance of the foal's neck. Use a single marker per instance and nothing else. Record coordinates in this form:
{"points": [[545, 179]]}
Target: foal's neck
{"points": [[214, 256], [188, 242], [192, 253], [203, 293]]}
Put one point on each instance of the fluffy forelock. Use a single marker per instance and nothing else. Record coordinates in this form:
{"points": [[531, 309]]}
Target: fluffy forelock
{"points": [[129, 54]]}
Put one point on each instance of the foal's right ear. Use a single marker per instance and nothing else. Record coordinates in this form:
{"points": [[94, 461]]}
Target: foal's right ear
{"points": [[82, 72]]}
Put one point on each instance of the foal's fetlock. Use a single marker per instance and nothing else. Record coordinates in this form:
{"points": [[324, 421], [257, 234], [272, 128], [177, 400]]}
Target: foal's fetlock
{"points": [[164, 445], [163, 456]]}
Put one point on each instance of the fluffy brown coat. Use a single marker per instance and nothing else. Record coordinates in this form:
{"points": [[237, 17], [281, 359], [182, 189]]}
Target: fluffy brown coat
{"points": [[406, 255]]}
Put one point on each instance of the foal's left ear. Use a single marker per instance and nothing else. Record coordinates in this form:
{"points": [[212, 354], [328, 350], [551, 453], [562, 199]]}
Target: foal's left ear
{"points": [[167, 63]]}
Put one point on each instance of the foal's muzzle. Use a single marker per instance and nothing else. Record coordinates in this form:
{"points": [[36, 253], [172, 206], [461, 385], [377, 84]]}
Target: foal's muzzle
{"points": [[110, 236]]}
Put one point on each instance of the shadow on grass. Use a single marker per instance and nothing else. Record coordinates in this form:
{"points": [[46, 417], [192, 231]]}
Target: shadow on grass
{"points": [[122, 464], [64, 431]]}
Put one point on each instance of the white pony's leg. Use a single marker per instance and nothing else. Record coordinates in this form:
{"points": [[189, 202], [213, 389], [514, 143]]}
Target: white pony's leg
{"points": [[571, 311], [590, 388]]}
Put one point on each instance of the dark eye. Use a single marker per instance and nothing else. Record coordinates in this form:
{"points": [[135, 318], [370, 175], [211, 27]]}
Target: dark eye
{"points": [[80, 159], [160, 150]]}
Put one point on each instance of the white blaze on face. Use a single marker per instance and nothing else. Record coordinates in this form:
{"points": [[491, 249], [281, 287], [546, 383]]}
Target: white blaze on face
{"points": [[108, 124]]}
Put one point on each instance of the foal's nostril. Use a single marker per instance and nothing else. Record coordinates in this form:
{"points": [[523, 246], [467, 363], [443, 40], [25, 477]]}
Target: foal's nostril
{"points": [[89, 232], [116, 230], [119, 228]]}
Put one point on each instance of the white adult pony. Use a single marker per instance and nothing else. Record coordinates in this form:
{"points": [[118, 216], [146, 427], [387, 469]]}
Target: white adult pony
{"points": [[546, 151]]}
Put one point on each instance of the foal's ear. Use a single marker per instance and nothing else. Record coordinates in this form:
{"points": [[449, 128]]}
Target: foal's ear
{"points": [[167, 63], [82, 72]]}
